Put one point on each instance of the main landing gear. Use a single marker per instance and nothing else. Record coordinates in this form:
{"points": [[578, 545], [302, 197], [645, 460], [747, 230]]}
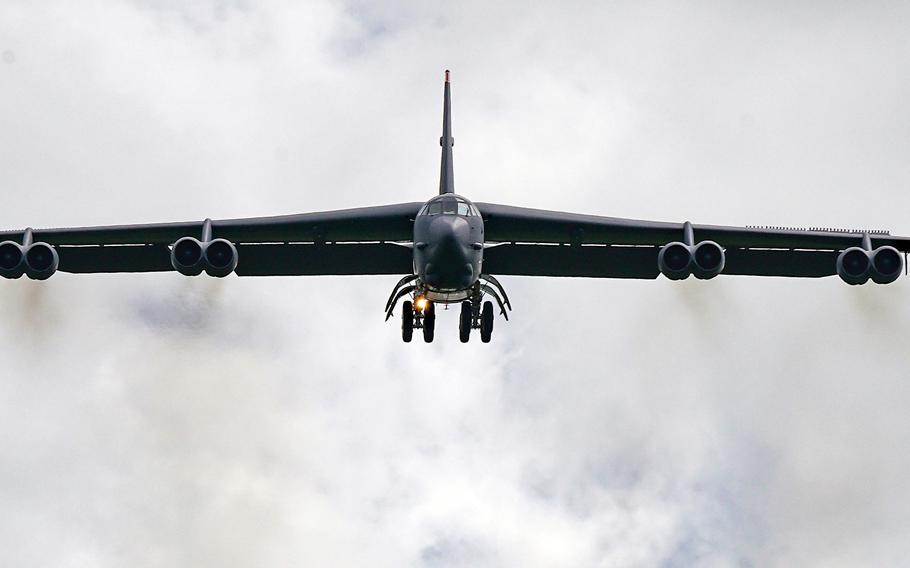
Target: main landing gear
{"points": [[407, 321], [469, 319], [420, 312], [429, 322], [421, 315]]}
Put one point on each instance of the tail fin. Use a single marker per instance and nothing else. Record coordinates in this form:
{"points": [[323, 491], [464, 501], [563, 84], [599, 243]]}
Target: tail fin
{"points": [[446, 172]]}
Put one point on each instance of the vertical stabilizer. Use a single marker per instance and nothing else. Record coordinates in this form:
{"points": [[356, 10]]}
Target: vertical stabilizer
{"points": [[446, 173]]}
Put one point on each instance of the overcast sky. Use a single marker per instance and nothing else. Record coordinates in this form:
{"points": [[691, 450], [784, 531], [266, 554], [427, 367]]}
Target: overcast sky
{"points": [[160, 421]]}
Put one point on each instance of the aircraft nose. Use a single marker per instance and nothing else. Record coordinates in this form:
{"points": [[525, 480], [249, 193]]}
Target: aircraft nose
{"points": [[451, 230], [450, 258]]}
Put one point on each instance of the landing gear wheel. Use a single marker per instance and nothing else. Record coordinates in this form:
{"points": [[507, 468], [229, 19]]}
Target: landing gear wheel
{"points": [[429, 322], [486, 322], [407, 321], [464, 322]]}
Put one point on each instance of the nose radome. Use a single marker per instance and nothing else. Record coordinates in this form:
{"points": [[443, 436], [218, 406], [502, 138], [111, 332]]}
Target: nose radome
{"points": [[451, 228], [448, 262], [459, 223]]}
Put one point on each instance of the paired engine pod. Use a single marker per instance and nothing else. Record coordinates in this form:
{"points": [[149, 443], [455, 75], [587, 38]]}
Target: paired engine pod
{"points": [[678, 260], [187, 257], [12, 260], [887, 265], [41, 261], [220, 257], [191, 257], [708, 260], [675, 261]]}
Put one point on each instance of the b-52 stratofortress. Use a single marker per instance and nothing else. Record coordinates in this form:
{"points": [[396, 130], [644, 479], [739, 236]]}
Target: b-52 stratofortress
{"points": [[450, 250]]}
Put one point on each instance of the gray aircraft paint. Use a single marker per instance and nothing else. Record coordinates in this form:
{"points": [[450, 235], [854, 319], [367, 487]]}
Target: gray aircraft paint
{"points": [[446, 170], [445, 251], [448, 242], [448, 247]]}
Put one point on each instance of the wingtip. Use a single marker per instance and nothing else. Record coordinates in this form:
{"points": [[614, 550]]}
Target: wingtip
{"points": [[447, 75]]}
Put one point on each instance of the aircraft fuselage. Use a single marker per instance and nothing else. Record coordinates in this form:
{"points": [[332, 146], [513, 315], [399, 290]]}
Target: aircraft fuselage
{"points": [[448, 247]]}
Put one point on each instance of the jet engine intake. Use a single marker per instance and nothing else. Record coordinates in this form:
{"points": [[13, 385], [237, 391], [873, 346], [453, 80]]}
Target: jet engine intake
{"points": [[887, 265], [675, 261], [191, 257], [678, 260], [41, 261], [187, 257], [708, 260], [854, 266], [220, 258], [12, 260]]}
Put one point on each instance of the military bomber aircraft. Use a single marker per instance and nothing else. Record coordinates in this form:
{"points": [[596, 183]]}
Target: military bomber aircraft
{"points": [[450, 250]]}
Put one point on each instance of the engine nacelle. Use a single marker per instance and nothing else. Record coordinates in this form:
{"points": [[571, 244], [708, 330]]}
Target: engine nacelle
{"points": [[12, 260], [41, 261], [854, 266], [678, 260], [187, 257], [220, 257], [887, 265], [191, 257], [708, 260], [675, 261]]}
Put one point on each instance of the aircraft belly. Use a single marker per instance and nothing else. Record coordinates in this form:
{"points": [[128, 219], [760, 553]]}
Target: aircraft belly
{"points": [[447, 296]]}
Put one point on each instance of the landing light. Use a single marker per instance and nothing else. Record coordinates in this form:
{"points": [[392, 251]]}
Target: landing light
{"points": [[421, 303]]}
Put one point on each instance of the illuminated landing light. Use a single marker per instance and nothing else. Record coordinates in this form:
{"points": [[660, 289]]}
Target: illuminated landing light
{"points": [[421, 303]]}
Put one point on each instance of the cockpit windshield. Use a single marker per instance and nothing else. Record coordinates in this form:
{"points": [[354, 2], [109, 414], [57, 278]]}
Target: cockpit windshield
{"points": [[449, 205]]}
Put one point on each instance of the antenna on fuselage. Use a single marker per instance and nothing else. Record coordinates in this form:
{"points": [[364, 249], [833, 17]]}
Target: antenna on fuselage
{"points": [[446, 172]]}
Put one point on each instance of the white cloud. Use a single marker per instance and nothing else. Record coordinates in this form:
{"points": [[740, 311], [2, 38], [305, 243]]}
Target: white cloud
{"points": [[153, 420]]}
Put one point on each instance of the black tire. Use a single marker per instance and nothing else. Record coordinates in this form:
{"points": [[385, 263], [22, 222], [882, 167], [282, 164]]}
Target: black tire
{"points": [[464, 322], [429, 322], [407, 321], [486, 322]]}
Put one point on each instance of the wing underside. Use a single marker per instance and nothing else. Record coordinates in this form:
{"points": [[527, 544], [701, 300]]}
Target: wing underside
{"points": [[269, 259], [532, 242], [528, 242], [625, 261], [353, 241]]}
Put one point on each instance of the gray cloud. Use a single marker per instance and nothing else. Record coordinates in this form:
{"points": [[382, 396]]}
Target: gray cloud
{"points": [[157, 421]]}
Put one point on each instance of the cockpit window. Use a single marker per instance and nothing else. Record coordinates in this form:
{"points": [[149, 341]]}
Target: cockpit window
{"points": [[449, 206]]}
